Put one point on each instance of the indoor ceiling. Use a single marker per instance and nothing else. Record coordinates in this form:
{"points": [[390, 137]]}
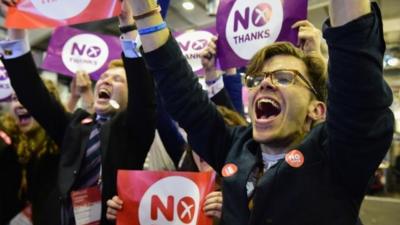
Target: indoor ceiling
{"points": [[180, 19]]}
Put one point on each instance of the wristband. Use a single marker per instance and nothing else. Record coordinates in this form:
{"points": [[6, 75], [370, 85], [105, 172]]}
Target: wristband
{"points": [[152, 29], [211, 82], [127, 28]]}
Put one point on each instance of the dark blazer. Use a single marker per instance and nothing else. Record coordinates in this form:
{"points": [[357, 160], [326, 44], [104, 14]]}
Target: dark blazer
{"points": [[340, 155], [125, 138]]}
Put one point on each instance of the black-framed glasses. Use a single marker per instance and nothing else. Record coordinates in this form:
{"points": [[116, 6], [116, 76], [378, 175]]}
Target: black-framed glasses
{"points": [[282, 78]]}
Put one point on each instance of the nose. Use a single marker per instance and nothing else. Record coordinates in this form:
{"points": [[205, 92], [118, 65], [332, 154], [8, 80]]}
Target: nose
{"points": [[106, 80], [267, 84]]}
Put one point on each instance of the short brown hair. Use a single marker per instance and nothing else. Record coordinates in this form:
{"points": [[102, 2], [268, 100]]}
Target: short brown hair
{"points": [[316, 66]]}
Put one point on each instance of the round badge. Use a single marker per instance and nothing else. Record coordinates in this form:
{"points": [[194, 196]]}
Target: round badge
{"points": [[87, 120], [229, 170], [114, 104], [294, 158]]}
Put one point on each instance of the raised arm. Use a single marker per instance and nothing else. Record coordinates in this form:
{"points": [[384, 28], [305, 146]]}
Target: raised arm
{"points": [[359, 121], [141, 109], [29, 87], [184, 98], [344, 11]]}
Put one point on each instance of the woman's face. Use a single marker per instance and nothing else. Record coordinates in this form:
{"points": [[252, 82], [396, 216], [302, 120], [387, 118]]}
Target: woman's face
{"points": [[21, 115]]}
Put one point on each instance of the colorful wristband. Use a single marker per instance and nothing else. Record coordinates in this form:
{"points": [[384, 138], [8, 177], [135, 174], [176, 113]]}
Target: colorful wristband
{"points": [[211, 82], [149, 30]]}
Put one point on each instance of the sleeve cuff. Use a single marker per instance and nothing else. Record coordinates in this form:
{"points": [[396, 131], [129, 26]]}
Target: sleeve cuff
{"points": [[10, 49], [216, 87], [131, 47]]}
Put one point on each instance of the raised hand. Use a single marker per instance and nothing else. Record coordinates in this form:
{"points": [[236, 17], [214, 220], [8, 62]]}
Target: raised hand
{"points": [[208, 55], [309, 36], [126, 16]]}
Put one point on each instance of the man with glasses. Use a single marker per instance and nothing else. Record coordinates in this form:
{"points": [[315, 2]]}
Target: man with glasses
{"points": [[284, 168]]}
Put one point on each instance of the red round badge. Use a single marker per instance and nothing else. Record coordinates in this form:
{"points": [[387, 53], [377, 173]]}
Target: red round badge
{"points": [[229, 169], [294, 158]]}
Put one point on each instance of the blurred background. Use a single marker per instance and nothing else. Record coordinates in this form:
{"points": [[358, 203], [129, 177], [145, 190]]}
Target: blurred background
{"points": [[382, 205]]}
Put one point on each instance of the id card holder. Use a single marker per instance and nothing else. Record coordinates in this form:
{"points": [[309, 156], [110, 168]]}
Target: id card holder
{"points": [[24, 217], [87, 206]]}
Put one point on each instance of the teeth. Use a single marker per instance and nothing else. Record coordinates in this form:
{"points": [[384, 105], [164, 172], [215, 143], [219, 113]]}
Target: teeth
{"points": [[267, 100], [21, 111], [103, 91]]}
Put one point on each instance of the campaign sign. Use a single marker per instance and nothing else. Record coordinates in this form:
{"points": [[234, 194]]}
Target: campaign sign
{"points": [[53, 13], [163, 198], [5, 86], [192, 44], [71, 50], [246, 26]]}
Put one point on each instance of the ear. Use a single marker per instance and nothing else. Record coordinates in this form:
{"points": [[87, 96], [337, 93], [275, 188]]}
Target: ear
{"points": [[316, 112]]}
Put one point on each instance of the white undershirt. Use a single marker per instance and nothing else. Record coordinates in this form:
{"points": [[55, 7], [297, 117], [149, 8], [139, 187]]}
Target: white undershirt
{"points": [[269, 159]]}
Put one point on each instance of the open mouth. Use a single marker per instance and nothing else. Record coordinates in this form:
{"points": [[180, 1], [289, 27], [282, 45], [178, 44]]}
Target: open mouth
{"points": [[23, 115], [267, 108], [104, 94]]}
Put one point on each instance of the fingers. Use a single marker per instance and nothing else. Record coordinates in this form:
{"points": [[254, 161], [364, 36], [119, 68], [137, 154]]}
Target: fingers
{"points": [[302, 23], [111, 214], [9, 3], [114, 205], [83, 79], [213, 202], [207, 56]]}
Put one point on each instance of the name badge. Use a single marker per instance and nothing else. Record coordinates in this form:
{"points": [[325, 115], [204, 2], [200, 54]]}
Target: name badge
{"points": [[87, 206]]}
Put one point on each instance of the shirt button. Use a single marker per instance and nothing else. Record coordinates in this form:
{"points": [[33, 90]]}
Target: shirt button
{"points": [[75, 172]]}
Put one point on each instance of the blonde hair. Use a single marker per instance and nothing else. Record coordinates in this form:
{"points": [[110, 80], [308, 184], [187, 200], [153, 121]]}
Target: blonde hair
{"points": [[116, 63], [231, 118], [35, 141]]}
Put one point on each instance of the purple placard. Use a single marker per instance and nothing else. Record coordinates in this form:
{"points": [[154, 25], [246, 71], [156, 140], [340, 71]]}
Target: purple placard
{"points": [[71, 50], [246, 26], [192, 43], [5, 85]]}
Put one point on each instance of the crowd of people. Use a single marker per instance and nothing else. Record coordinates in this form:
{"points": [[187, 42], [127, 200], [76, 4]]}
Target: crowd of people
{"points": [[319, 124]]}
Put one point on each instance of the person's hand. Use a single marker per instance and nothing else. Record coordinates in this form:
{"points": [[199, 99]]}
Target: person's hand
{"points": [[114, 205], [208, 55], [80, 84], [310, 37], [213, 204], [126, 17], [13, 34], [9, 3]]}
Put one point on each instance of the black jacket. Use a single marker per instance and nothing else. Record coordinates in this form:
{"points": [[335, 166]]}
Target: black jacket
{"points": [[125, 138], [340, 154]]}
